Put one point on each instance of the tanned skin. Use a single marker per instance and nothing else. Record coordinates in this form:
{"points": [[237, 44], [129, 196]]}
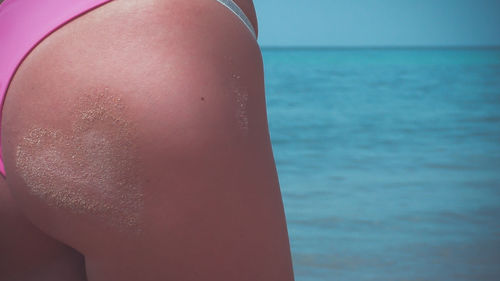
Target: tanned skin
{"points": [[136, 147]]}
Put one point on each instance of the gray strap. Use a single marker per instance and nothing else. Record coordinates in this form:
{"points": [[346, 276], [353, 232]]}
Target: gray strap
{"points": [[239, 12]]}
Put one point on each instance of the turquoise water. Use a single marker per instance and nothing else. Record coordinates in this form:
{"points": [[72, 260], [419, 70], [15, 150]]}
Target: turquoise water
{"points": [[389, 161]]}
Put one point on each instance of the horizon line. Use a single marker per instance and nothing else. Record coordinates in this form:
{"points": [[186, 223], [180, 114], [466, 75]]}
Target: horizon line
{"points": [[305, 47]]}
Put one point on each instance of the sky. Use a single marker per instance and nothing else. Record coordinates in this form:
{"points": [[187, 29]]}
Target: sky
{"points": [[378, 22]]}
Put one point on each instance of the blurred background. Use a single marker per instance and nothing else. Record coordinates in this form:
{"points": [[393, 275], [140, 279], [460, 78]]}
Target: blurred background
{"points": [[385, 123]]}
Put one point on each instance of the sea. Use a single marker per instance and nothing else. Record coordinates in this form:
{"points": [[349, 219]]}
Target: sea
{"points": [[389, 161]]}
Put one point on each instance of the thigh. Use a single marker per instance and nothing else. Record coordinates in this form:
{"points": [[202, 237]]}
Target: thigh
{"points": [[26, 253]]}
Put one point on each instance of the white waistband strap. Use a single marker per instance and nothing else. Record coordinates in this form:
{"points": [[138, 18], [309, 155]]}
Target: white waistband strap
{"points": [[239, 12]]}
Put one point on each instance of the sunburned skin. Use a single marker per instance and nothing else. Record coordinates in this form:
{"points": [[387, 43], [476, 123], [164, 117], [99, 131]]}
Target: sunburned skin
{"points": [[89, 171], [184, 160]]}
